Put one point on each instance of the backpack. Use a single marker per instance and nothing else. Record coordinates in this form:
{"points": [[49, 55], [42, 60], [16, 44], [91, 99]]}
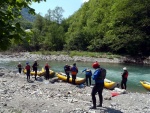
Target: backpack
{"points": [[102, 76]]}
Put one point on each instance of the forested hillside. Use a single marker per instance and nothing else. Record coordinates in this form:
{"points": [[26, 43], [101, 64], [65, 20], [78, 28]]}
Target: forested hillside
{"points": [[115, 26], [119, 26]]}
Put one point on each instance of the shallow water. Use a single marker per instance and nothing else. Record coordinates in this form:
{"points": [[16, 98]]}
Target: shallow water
{"points": [[136, 72]]}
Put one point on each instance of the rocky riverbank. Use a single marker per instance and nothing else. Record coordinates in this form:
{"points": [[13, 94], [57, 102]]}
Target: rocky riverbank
{"points": [[46, 96], [27, 56]]}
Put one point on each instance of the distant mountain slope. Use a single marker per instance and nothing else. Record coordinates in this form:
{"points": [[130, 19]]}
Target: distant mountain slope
{"points": [[26, 15]]}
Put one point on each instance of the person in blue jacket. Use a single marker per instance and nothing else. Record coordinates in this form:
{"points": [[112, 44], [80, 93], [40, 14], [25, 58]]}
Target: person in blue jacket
{"points": [[74, 71], [98, 87], [88, 74]]}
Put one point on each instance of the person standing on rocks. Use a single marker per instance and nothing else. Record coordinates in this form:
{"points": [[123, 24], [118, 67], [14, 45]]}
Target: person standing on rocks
{"points": [[47, 71], [34, 66], [74, 71], [28, 71], [88, 74], [67, 71], [19, 67], [98, 87], [124, 78]]}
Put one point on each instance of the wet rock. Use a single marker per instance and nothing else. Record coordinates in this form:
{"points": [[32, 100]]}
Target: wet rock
{"points": [[55, 79], [1, 74], [37, 97]]}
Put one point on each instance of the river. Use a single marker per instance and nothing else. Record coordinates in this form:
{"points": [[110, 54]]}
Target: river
{"points": [[136, 72]]}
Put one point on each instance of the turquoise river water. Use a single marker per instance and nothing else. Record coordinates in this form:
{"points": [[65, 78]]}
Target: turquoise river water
{"points": [[136, 72]]}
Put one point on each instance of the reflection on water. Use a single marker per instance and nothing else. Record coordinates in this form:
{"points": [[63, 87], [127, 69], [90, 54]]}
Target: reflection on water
{"points": [[136, 72]]}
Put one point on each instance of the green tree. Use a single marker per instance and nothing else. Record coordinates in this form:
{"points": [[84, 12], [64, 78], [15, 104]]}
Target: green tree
{"points": [[54, 38], [118, 26], [9, 11]]}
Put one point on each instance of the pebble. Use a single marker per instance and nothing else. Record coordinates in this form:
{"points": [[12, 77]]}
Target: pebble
{"points": [[16, 94]]}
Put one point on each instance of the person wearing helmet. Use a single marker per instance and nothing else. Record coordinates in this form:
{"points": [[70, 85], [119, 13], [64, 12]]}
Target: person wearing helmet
{"points": [[98, 87], [74, 71], [28, 71], [47, 71], [88, 74], [67, 71], [19, 67], [124, 78], [34, 66]]}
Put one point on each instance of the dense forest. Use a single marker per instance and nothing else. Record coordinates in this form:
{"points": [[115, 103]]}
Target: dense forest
{"points": [[115, 26]]}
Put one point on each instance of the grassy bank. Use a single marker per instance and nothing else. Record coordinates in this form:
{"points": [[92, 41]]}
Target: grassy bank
{"points": [[80, 53]]}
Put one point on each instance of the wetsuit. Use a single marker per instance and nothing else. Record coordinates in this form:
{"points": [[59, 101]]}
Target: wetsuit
{"points": [[98, 87], [124, 79], [28, 72], [88, 74], [67, 71], [19, 68], [35, 68], [74, 71], [47, 72]]}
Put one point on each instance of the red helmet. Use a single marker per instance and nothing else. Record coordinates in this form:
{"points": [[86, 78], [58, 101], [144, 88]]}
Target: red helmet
{"points": [[95, 65]]}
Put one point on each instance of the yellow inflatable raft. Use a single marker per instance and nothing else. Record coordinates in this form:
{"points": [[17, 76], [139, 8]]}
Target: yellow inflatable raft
{"points": [[145, 84], [108, 84], [40, 73], [63, 76]]}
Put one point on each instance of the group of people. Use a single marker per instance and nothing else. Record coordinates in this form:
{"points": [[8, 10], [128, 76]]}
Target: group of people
{"points": [[97, 77], [34, 68], [99, 82], [73, 70]]}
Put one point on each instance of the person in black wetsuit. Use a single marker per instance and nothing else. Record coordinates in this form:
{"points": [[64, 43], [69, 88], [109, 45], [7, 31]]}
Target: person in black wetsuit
{"points": [[47, 71], [124, 78], [67, 71], [98, 87], [88, 74], [19, 67], [35, 65]]}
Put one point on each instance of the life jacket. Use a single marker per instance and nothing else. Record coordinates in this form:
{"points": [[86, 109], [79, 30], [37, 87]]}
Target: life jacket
{"points": [[28, 67], [88, 73], [74, 70], [126, 74], [67, 68], [35, 66], [46, 67], [19, 65]]}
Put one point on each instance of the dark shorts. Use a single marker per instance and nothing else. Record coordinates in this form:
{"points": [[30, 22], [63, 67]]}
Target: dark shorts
{"points": [[73, 76]]}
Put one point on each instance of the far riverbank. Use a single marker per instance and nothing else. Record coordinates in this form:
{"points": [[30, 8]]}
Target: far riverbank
{"points": [[21, 56]]}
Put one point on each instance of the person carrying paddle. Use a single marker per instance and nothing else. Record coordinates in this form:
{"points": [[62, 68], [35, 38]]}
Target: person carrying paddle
{"points": [[67, 71], [28, 71], [88, 74], [47, 71], [124, 78], [34, 66], [19, 67], [98, 87], [74, 71]]}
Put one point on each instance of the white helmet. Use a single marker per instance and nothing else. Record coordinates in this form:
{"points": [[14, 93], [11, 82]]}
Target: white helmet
{"points": [[124, 68]]}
